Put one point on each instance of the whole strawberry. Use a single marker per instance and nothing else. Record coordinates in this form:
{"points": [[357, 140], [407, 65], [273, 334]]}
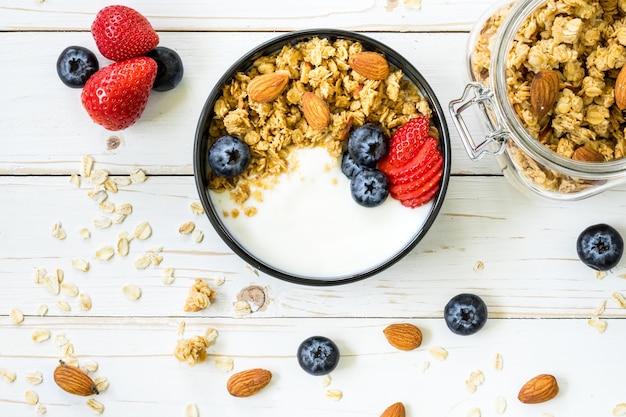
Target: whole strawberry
{"points": [[122, 33], [116, 95]]}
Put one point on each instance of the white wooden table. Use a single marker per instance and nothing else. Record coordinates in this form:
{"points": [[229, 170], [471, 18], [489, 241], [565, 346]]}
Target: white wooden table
{"points": [[540, 296]]}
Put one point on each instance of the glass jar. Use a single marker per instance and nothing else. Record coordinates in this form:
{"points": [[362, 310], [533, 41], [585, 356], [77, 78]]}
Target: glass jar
{"points": [[506, 48]]}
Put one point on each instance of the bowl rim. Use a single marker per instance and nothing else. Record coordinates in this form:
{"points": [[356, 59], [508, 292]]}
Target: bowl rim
{"points": [[272, 46]]}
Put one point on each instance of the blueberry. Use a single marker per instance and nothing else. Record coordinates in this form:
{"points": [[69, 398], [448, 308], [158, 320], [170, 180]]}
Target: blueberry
{"points": [[600, 247], [465, 314], [370, 187], [348, 166], [229, 157], [169, 68], [318, 355], [75, 65], [367, 145]]}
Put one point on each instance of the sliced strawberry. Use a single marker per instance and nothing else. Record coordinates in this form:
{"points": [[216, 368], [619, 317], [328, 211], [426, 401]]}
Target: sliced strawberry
{"points": [[433, 182], [116, 95], [422, 199], [405, 142], [122, 33], [434, 173], [429, 151]]}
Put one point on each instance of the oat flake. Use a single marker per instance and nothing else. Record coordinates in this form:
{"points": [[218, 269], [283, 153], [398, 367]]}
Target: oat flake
{"points": [[69, 289], [16, 316], [60, 340], [95, 406], [196, 208], [105, 253], [619, 409], [197, 236], [498, 362], [138, 176], [438, 353], [224, 363], [42, 310], [7, 374], [143, 231], [191, 410], [499, 405], [87, 166], [89, 366], [186, 228], [597, 323], [80, 264], [620, 299], [474, 412], [84, 302], [84, 233], [31, 397], [142, 262], [101, 383], [102, 222], [41, 409], [132, 292], [34, 377], [40, 335], [334, 394]]}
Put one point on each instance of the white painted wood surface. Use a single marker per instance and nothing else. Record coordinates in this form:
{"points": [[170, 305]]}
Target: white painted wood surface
{"points": [[539, 295]]}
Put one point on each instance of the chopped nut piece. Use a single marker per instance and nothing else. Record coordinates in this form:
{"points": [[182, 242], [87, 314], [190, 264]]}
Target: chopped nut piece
{"points": [[34, 377], [101, 383], [191, 350], [31, 397], [7, 374], [40, 335], [84, 302], [132, 292], [105, 253], [200, 296], [80, 264], [69, 289], [334, 394], [16, 316], [438, 353], [224, 363], [186, 228], [191, 410], [95, 406], [143, 231]]}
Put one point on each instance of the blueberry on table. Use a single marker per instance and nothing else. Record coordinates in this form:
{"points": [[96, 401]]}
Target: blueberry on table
{"points": [[465, 314], [367, 145], [229, 157], [75, 65], [169, 68], [348, 166], [318, 355], [370, 187], [600, 247]]}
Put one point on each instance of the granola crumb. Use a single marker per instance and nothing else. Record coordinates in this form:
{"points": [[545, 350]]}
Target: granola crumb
{"points": [[192, 351], [200, 296]]}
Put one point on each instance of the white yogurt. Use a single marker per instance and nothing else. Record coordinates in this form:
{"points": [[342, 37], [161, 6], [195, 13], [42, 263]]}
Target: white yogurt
{"points": [[308, 225]]}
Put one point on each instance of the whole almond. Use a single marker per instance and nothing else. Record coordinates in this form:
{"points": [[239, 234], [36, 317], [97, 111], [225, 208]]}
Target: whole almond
{"points": [[267, 87], [74, 380], [394, 410], [539, 389], [315, 111], [543, 91], [370, 65], [620, 89], [403, 336], [586, 154], [249, 382]]}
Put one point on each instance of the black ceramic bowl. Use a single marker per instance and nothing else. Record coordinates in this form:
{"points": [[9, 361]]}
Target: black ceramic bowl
{"points": [[202, 168]]}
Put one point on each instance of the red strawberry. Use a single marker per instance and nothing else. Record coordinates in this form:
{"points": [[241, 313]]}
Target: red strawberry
{"points": [[421, 200], [122, 33], [431, 175], [116, 95], [426, 152], [405, 143]]}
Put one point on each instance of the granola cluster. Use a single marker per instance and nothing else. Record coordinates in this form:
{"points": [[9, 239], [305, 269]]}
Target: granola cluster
{"points": [[273, 129]]}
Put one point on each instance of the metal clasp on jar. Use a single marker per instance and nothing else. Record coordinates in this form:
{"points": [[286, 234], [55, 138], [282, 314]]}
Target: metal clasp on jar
{"points": [[476, 94]]}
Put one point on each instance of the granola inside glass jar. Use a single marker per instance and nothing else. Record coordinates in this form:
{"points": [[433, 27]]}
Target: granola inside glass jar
{"points": [[543, 77]]}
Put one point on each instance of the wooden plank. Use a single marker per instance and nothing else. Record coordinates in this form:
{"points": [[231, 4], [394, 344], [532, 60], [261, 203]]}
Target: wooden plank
{"points": [[250, 15], [530, 267], [135, 355]]}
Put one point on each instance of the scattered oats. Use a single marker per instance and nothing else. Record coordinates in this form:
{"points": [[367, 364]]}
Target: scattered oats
{"points": [[101, 383], [52, 284], [191, 350], [597, 323], [64, 305], [95, 406], [253, 270], [31, 397], [197, 236], [334, 394], [41, 409], [600, 310], [87, 166], [498, 362], [479, 266], [220, 281], [438, 353], [326, 380], [110, 186], [601, 274], [211, 335], [413, 4], [106, 206], [118, 218], [168, 276], [98, 176], [102, 222], [89, 366], [84, 302], [75, 180], [499, 405], [181, 328], [97, 195], [105, 253], [191, 410], [619, 409], [123, 181], [474, 412], [84, 233], [620, 299], [80, 264], [224, 363], [186, 228], [142, 262], [58, 232], [138, 176], [475, 379], [41, 310], [68, 351], [200, 296], [34, 377], [7, 374], [40, 335], [242, 308], [60, 340], [69, 289], [143, 231], [39, 274], [196, 208], [60, 275], [16, 316], [132, 292], [425, 365], [124, 208], [123, 244], [155, 258]]}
